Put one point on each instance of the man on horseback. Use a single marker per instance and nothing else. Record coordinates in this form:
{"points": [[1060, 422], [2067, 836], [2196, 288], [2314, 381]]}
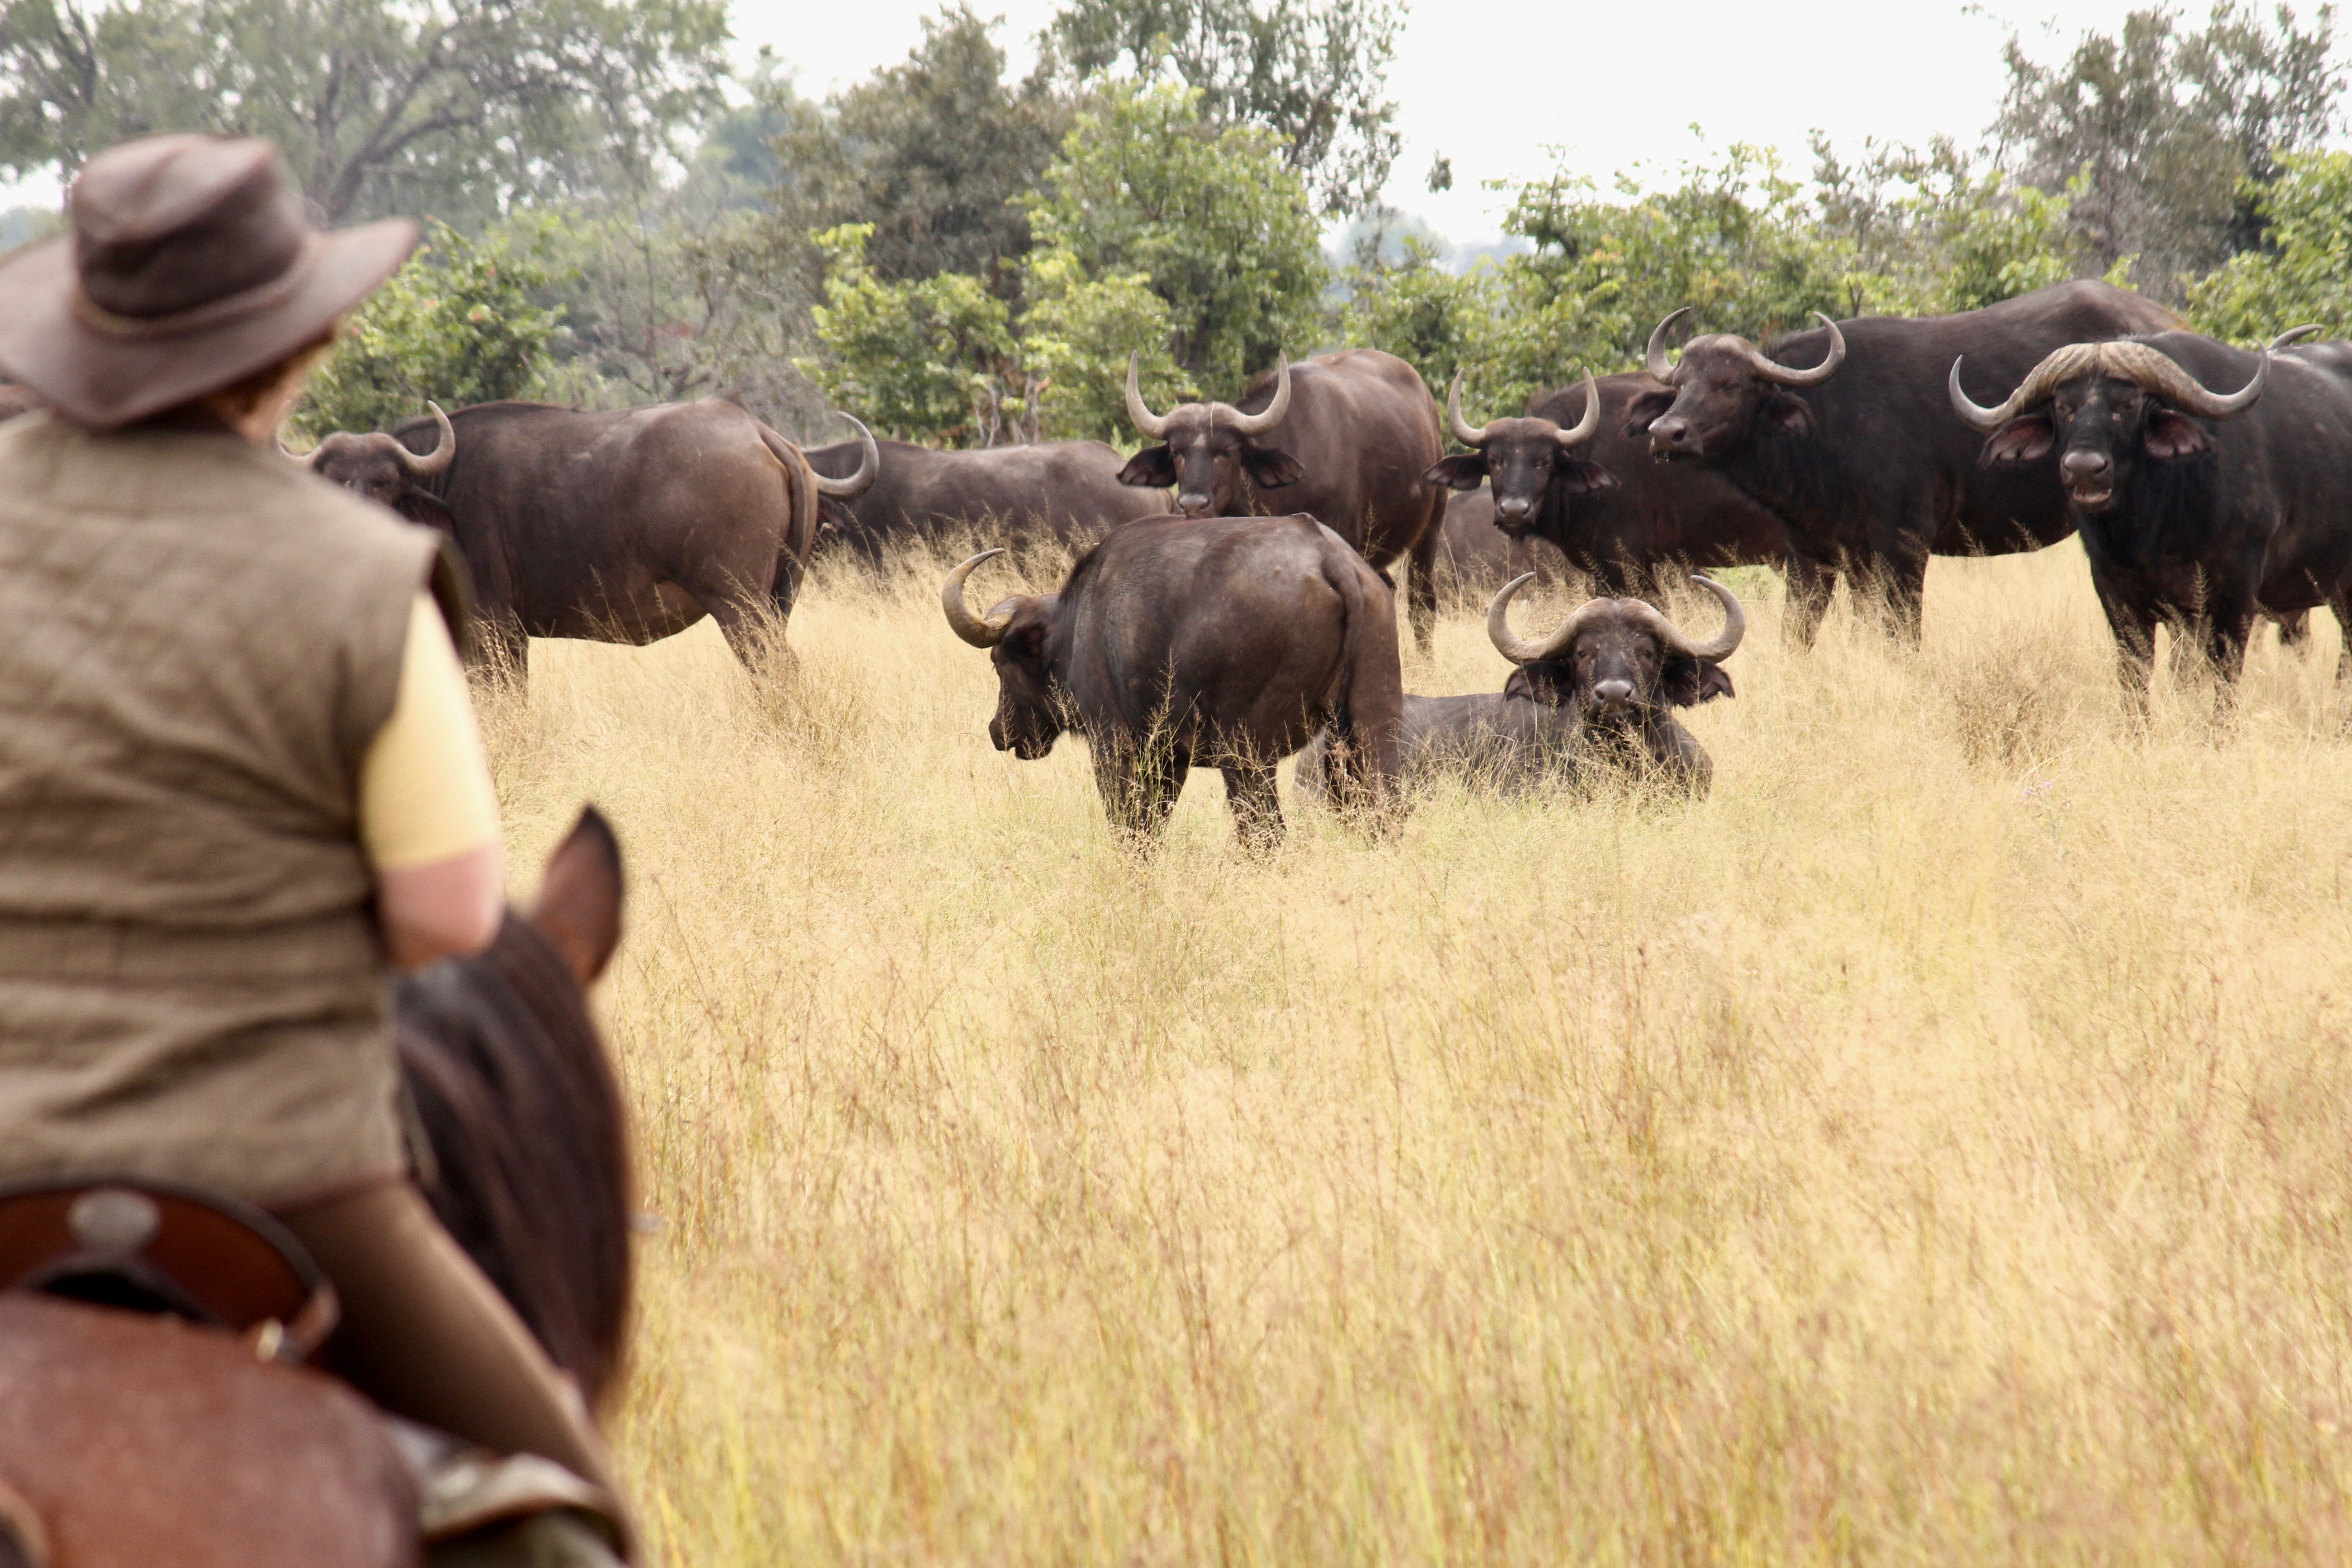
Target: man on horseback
{"points": [[240, 776]]}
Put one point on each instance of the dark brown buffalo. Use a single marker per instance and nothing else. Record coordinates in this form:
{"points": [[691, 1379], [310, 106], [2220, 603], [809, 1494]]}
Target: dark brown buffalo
{"points": [[1627, 523], [2199, 506], [134, 1439], [1065, 490], [1841, 432], [1345, 438], [1598, 693], [1473, 555], [1216, 642], [616, 527]]}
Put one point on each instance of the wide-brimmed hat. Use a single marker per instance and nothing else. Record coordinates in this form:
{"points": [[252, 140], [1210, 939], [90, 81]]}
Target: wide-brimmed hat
{"points": [[190, 263]]}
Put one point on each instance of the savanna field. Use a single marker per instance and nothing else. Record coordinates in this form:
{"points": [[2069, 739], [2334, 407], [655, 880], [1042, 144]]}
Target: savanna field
{"points": [[1934, 1147]]}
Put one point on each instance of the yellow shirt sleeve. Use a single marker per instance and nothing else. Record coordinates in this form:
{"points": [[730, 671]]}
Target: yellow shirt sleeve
{"points": [[424, 785]]}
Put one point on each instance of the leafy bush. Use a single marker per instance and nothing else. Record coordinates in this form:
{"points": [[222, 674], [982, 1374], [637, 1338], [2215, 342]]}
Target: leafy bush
{"points": [[2304, 274], [457, 325], [921, 361]]}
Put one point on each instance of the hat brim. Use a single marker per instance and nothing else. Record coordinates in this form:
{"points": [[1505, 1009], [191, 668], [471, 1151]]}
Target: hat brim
{"points": [[102, 381]]}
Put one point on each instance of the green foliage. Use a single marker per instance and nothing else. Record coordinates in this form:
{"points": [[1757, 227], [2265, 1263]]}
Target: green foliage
{"points": [[922, 361], [1215, 220], [461, 108], [1076, 338], [1312, 72], [1414, 309], [1930, 233], [456, 325], [2306, 273]]}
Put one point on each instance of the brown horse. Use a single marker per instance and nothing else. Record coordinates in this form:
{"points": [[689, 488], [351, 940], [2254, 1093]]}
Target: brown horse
{"points": [[129, 1440]]}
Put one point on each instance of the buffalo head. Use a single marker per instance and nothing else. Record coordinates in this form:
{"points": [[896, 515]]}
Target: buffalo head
{"points": [[1724, 392], [2102, 406], [1206, 447], [378, 466], [1619, 662], [1029, 711], [1525, 458]]}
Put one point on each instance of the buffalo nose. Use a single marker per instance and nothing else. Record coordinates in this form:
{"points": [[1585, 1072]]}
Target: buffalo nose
{"points": [[2084, 465], [1515, 508], [1670, 434], [1613, 692], [1192, 505]]}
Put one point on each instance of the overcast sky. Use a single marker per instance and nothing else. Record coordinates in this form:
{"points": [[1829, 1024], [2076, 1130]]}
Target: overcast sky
{"points": [[1493, 85]]}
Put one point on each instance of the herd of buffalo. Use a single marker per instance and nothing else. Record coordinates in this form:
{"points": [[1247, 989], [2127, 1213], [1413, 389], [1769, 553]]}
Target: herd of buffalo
{"points": [[1232, 605]]}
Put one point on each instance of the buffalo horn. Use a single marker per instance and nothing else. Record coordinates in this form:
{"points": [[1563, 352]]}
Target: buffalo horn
{"points": [[1653, 358], [308, 459], [444, 453], [1976, 413], [1774, 372], [1523, 650], [869, 464], [1735, 624], [971, 627], [1259, 424], [1584, 428], [1150, 423], [1469, 434], [2292, 335]]}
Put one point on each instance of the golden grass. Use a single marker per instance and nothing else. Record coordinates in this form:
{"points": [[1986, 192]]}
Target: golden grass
{"points": [[1932, 1148]]}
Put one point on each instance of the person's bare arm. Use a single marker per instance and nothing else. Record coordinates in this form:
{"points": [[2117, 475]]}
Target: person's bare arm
{"points": [[447, 909]]}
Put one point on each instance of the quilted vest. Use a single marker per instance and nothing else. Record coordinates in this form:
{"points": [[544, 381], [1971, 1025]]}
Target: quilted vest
{"points": [[197, 643]]}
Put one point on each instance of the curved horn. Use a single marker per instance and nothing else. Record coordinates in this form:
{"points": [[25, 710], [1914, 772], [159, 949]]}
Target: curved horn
{"points": [[2292, 335], [2159, 371], [869, 465], [1774, 372], [1978, 417], [1584, 428], [1653, 358], [308, 459], [1259, 424], [1469, 434], [961, 620], [444, 453], [1523, 650], [1150, 423], [1735, 624]]}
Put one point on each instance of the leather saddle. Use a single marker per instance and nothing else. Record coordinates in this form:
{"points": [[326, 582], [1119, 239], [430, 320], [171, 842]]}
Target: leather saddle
{"points": [[168, 1249]]}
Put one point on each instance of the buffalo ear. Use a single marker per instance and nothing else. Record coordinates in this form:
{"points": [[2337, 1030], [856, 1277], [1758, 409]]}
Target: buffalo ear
{"points": [[1153, 468], [1644, 409], [1576, 477], [1270, 470], [1787, 414], [1545, 681], [1025, 643], [2021, 441], [580, 896], [2172, 434], [1461, 471], [1691, 682]]}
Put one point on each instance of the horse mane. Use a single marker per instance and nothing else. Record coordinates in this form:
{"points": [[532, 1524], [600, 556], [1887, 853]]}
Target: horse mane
{"points": [[525, 1157]]}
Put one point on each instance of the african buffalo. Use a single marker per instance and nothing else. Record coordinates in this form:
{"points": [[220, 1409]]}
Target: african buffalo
{"points": [[1217, 642], [1599, 691], [2198, 508], [1346, 437], [1618, 517], [617, 527], [1066, 490], [1837, 430], [1473, 555]]}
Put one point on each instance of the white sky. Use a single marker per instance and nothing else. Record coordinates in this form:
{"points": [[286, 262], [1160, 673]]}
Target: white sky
{"points": [[1493, 85]]}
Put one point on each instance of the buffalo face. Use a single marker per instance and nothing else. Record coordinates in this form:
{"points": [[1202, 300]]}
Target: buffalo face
{"points": [[2103, 407], [1724, 393], [1526, 461], [1029, 714], [379, 467], [1618, 663], [1207, 448]]}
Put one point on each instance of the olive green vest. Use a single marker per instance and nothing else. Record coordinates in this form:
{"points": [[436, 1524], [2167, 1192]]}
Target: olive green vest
{"points": [[199, 641]]}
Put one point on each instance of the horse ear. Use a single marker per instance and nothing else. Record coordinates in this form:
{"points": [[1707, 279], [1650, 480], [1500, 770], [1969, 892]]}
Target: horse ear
{"points": [[579, 901]]}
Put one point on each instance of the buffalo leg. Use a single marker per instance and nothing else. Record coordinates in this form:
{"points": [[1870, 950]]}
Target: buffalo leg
{"points": [[1256, 803], [2295, 629], [2340, 606], [1900, 588], [1420, 594], [1139, 787], [2135, 632], [1811, 584]]}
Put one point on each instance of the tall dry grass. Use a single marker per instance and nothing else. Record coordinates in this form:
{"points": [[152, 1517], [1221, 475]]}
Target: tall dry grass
{"points": [[1932, 1148]]}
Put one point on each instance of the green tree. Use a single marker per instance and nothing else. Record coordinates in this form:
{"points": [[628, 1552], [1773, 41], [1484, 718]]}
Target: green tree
{"points": [[1932, 232], [2160, 135], [456, 325], [1433, 319], [459, 108], [1215, 219], [1313, 72], [929, 360], [1075, 340], [2305, 275]]}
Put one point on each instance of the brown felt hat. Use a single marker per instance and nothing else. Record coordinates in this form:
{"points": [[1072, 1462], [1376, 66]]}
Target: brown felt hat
{"points": [[190, 263]]}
